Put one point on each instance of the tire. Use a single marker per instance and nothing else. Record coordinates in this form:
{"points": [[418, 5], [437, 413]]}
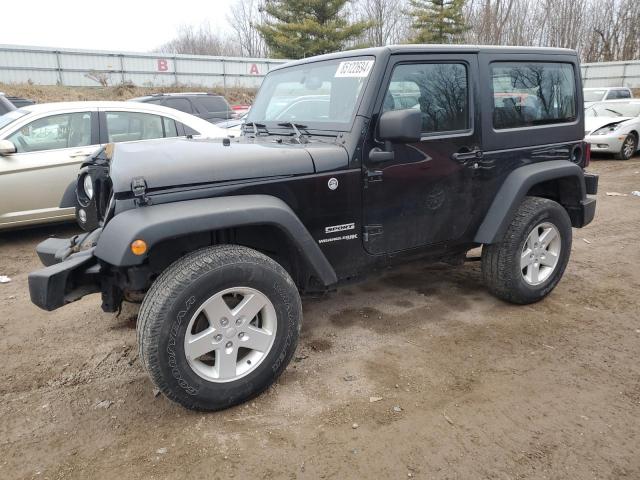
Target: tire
{"points": [[629, 148], [502, 270], [184, 313]]}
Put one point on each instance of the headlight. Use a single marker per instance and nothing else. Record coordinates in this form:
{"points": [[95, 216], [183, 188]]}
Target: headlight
{"points": [[87, 186], [606, 130]]}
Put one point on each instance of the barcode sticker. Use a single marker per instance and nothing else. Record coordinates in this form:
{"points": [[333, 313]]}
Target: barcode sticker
{"points": [[354, 68]]}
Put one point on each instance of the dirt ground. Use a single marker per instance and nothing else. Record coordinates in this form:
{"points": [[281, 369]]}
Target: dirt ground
{"points": [[470, 387]]}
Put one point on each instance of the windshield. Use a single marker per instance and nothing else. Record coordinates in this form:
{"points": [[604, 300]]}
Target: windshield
{"points": [[9, 117], [613, 109], [320, 95], [593, 95]]}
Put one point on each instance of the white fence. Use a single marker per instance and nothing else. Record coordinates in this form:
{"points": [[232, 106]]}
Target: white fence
{"points": [[74, 67], [611, 74]]}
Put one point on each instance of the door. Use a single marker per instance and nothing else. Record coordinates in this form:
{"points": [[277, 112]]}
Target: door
{"points": [[422, 194], [49, 153]]}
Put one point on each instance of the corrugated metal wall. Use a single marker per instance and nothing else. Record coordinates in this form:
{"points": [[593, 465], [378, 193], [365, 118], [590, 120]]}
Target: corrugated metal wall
{"points": [[74, 67], [50, 66], [611, 74]]}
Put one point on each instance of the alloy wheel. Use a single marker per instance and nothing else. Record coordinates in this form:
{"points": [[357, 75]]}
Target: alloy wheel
{"points": [[540, 253], [231, 334]]}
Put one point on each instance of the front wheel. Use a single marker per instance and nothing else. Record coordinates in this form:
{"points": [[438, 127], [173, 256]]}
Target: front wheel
{"points": [[629, 147], [219, 326], [529, 260]]}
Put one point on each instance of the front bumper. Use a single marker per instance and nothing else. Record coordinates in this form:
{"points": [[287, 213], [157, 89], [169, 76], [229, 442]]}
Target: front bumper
{"points": [[605, 143], [71, 272]]}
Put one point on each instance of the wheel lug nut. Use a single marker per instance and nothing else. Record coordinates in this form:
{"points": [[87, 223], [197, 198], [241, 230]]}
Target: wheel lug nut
{"points": [[224, 322], [229, 344], [239, 321], [218, 338], [241, 335]]}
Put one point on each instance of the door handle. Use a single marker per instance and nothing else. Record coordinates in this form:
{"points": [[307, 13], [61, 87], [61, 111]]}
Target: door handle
{"points": [[78, 154], [463, 156], [377, 155]]}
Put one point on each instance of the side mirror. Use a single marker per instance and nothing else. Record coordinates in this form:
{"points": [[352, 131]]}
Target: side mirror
{"points": [[401, 126], [7, 148]]}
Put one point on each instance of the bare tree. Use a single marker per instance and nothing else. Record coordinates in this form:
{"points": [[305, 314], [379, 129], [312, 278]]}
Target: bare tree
{"points": [[200, 41], [601, 30], [244, 17], [389, 21]]}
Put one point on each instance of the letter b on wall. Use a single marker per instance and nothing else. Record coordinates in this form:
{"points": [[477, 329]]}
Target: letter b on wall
{"points": [[163, 65]]}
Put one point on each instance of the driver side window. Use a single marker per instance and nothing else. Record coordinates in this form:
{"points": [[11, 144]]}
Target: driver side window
{"points": [[438, 90], [69, 130]]}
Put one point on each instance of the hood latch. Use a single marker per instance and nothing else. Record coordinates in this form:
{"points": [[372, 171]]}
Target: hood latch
{"points": [[139, 189]]}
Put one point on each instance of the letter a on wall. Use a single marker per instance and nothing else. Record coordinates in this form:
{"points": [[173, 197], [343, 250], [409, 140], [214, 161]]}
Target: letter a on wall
{"points": [[254, 69]]}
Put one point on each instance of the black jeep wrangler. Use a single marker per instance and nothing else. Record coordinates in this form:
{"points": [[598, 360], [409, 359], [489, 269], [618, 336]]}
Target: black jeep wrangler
{"points": [[348, 163]]}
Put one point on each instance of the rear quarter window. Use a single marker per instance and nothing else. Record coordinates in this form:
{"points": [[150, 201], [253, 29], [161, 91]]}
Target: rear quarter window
{"points": [[529, 94], [213, 104]]}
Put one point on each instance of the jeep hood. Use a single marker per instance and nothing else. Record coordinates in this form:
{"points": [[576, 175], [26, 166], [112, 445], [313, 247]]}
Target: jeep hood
{"points": [[594, 123], [180, 161]]}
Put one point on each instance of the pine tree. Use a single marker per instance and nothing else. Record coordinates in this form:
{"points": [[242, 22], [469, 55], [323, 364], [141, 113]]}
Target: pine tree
{"points": [[437, 21], [302, 28]]}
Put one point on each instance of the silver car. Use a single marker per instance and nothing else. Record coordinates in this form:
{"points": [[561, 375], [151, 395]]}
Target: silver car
{"points": [[42, 147], [613, 127]]}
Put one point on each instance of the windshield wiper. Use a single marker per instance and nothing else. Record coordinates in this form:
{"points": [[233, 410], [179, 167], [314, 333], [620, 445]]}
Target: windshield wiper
{"points": [[295, 127], [255, 127], [613, 111]]}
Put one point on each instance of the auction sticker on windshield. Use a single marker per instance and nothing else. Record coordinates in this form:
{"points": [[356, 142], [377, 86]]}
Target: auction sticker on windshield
{"points": [[354, 68]]}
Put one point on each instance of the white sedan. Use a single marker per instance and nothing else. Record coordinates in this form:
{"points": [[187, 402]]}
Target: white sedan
{"points": [[42, 147], [613, 127]]}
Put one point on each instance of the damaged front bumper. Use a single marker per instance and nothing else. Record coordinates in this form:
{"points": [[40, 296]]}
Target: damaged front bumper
{"points": [[72, 271]]}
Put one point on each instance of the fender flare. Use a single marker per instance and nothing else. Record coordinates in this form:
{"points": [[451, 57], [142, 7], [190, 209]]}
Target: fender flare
{"points": [[69, 197], [164, 221], [515, 188]]}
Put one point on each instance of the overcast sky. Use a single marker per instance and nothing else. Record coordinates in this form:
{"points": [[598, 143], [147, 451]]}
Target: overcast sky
{"points": [[129, 25]]}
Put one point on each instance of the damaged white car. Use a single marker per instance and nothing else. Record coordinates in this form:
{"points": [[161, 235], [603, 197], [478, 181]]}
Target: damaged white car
{"points": [[613, 127]]}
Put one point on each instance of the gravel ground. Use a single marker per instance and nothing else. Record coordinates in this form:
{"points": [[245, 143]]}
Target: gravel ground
{"points": [[415, 373]]}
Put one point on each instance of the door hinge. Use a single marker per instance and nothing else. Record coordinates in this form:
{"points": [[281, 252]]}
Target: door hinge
{"points": [[371, 231], [372, 176], [139, 189]]}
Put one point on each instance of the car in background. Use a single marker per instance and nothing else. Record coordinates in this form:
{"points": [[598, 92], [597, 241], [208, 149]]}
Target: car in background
{"points": [[592, 95], [42, 147], [5, 105], [240, 110], [613, 127], [208, 106], [18, 101]]}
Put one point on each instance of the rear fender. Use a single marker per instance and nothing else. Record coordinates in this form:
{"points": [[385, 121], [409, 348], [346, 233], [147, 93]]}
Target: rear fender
{"points": [[515, 188]]}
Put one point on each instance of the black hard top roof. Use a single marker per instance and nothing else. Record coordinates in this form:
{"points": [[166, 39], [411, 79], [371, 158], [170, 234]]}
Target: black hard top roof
{"points": [[433, 48]]}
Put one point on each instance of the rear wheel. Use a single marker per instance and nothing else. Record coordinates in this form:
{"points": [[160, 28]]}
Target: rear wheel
{"points": [[529, 260], [629, 147], [218, 327]]}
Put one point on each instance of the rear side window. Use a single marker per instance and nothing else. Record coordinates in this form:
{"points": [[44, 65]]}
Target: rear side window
{"points": [[438, 90], [181, 104], [188, 130], [213, 104], [170, 128], [535, 93], [623, 94], [133, 126]]}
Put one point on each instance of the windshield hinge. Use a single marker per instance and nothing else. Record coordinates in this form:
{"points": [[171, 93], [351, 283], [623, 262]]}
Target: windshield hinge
{"points": [[139, 189]]}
